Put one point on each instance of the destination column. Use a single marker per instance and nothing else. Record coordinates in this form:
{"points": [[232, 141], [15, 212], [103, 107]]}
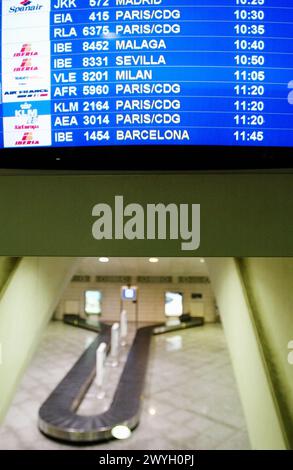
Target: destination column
{"points": [[147, 101]]}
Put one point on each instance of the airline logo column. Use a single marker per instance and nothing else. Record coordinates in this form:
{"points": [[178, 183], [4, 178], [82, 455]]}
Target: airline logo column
{"points": [[26, 73]]}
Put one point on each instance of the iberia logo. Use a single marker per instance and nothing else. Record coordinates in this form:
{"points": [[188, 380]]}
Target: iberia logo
{"points": [[27, 139], [26, 51], [25, 66]]}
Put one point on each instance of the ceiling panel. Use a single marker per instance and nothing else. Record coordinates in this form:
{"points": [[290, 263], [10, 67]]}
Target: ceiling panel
{"points": [[142, 267]]}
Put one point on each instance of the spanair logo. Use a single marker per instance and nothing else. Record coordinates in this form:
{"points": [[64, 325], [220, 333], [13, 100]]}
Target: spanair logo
{"points": [[27, 139], [26, 66], [26, 51], [27, 94], [25, 6]]}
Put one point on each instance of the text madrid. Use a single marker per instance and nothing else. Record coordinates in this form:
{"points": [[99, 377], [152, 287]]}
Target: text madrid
{"points": [[150, 222], [64, 4]]}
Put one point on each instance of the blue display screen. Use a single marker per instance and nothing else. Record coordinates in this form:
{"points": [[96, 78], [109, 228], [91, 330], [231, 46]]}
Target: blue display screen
{"points": [[78, 73]]}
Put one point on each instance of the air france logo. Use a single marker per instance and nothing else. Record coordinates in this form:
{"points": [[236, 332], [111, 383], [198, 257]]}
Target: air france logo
{"points": [[25, 94], [26, 66], [26, 51], [24, 6], [27, 139]]}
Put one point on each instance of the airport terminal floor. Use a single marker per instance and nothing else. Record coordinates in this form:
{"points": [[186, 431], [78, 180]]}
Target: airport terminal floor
{"points": [[190, 397], [146, 353]]}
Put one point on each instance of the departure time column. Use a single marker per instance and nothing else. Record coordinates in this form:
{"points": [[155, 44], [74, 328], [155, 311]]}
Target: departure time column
{"points": [[250, 74]]}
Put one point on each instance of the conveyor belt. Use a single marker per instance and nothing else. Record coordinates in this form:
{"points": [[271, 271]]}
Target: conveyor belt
{"points": [[193, 322], [57, 416], [76, 320]]}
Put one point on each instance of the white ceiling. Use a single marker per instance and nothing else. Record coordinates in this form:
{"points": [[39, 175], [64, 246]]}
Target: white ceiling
{"points": [[142, 267]]}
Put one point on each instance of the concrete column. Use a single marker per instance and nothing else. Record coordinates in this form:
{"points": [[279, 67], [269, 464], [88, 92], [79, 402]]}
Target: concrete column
{"points": [[26, 305], [263, 420]]}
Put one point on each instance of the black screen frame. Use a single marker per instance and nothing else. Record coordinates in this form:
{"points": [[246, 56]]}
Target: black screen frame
{"points": [[147, 158]]}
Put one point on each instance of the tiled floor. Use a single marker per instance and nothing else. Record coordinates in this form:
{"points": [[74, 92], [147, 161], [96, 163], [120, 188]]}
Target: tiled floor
{"points": [[191, 401]]}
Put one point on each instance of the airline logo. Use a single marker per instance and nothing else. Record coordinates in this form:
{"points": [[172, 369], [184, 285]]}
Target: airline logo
{"points": [[24, 79], [25, 127], [26, 66], [26, 51], [27, 112], [27, 139], [25, 94], [25, 5]]}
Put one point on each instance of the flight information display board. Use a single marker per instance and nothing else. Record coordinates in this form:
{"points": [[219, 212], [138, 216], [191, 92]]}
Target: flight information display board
{"points": [[78, 73]]}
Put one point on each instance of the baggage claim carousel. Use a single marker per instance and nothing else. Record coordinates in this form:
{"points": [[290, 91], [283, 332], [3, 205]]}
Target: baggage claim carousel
{"points": [[58, 417]]}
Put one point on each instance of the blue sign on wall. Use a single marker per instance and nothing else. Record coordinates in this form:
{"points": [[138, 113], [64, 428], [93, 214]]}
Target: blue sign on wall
{"points": [[146, 72]]}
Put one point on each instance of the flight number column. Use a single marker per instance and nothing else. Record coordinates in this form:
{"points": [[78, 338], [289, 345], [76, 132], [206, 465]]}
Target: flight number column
{"points": [[80, 75]]}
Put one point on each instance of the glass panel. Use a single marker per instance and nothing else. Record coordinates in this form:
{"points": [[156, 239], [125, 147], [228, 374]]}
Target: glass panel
{"points": [[173, 304], [93, 300]]}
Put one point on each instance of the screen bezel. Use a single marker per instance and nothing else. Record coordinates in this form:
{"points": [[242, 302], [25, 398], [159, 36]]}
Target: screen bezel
{"points": [[128, 299], [147, 158], [125, 158]]}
